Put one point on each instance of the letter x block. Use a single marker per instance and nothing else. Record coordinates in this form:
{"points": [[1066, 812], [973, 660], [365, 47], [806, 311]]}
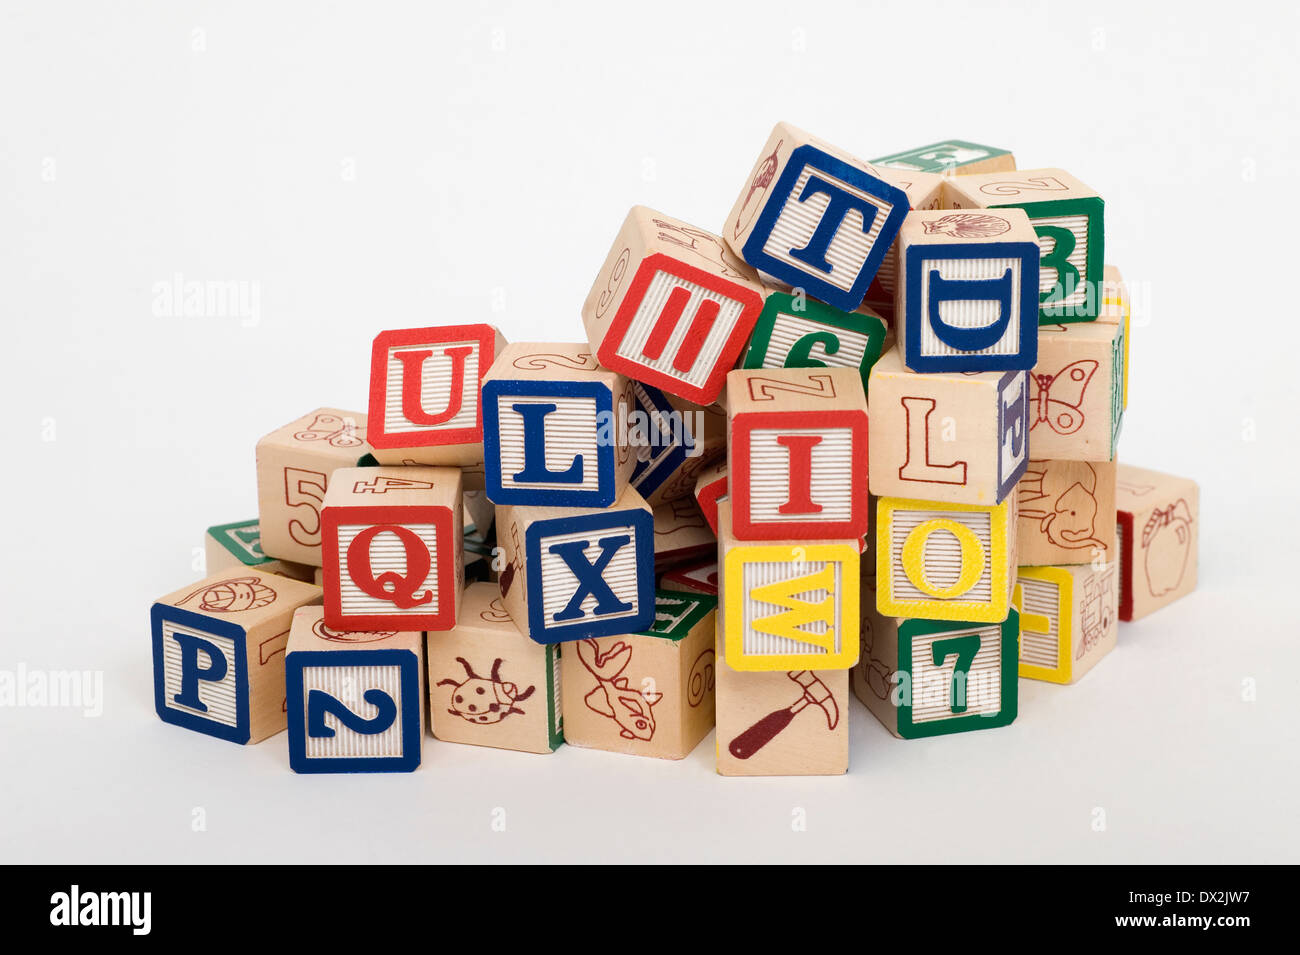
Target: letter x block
{"points": [[945, 561], [1069, 619], [794, 331], [672, 307], [960, 439], [355, 698], [1076, 391], [788, 605], [797, 454], [578, 572], [218, 653], [815, 218], [968, 295], [1068, 217], [555, 428], [393, 548], [1158, 516], [424, 393]]}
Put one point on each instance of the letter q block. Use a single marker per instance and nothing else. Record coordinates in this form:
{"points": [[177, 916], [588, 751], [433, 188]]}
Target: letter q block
{"points": [[394, 549]]}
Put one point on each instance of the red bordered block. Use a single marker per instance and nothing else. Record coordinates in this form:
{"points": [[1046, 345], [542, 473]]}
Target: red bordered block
{"points": [[671, 307], [711, 487], [424, 393], [797, 454], [393, 548]]}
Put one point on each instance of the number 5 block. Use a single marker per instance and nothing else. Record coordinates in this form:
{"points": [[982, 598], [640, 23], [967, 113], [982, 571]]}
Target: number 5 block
{"points": [[1069, 619]]}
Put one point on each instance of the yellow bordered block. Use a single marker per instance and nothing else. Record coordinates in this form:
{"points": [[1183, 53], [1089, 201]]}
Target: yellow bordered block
{"points": [[937, 561], [1069, 619], [788, 605]]}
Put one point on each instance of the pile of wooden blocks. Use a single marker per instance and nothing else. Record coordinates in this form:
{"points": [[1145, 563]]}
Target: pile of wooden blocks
{"points": [[864, 437]]}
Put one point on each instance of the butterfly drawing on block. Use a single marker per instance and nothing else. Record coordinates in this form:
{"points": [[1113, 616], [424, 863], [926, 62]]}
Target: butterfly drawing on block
{"points": [[1058, 398], [333, 429]]}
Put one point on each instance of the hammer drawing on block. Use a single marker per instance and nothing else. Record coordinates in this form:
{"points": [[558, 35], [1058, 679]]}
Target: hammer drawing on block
{"points": [[815, 692]]}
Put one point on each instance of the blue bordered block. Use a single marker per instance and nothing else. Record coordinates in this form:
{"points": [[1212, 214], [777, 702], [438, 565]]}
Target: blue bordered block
{"points": [[355, 699], [554, 428], [968, 298], [815, 218], [579, 573], [668, 440]]}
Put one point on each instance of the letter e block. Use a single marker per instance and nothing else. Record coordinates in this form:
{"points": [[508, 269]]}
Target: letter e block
{"points": [[1069, 619], [1158, 516]]}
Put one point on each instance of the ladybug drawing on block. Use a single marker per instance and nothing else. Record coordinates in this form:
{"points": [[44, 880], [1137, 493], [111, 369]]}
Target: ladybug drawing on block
{"points": [[482, 701]]}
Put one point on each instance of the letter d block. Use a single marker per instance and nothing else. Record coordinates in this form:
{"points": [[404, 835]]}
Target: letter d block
{"points": [[672, 307], [1069, 619], [394, 548], [218, 653], [968, 295], [555, 428], [797, 454], [355, 699], [945, 561]]}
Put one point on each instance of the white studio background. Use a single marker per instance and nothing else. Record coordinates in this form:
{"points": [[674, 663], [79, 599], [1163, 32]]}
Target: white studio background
{"points": [[362, 166]]}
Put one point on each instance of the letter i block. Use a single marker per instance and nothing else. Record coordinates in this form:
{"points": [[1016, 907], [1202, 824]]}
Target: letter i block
{"points": [[648, 693], [797, 454], [218, 653], [955, 438], [424, 393], [1157, 516], [939, 561], [294, 464], [555, 428], [672, 307], [952, 157], [238, 545], [1068, 218], [968, 295], [788, 605], [394, 549], [355, 698], [489, 685], [1076, 392], [930, 678], [1069, 619], [578, 572]]}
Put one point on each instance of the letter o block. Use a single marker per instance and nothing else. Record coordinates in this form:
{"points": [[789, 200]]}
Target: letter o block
{"points": [[394, 549]]}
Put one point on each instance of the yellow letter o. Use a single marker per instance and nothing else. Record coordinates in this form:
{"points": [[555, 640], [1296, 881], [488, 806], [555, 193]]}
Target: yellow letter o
{"points": [[972, 558]]}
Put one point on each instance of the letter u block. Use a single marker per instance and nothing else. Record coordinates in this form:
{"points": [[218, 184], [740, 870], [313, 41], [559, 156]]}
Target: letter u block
{"points": [[794, 331], [424, 393], [938, 561], [672, 307], [788, 605], [797, 454], [578, 572], [1069, 619], [555, 430], [355, 698], [815, 218], [394, 549], [1157, 520], [959, 439], [968, 291], [218, 653]]}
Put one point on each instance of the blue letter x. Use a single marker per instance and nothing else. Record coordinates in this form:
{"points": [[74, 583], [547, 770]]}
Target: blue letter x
{"points": [[589, 576]]}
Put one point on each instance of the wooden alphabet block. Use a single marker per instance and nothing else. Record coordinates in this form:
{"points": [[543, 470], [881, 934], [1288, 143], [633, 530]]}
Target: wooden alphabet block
{"points": [[1117, 309], [682, 535], [674, 440], [968, 293], [816, 218], [648, 693], [952, 157], [355, 698], [710, 487], [555, 428], [578, 572], [938, 561], [672, 307], [1068, 217], [933, 677], [489, 685], [788, 605], [794, 331], [239, 545], [959, 439], [393, 548], [1157, 517], [218, 653], [1069, 619], [1076, 392], [294, 464], [1066, 513], [797, 454], [924, 191], [701, 578]]}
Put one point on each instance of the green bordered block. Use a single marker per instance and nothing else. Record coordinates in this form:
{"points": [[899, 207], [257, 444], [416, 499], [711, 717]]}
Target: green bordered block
{"points": [[677, 613], [794, 331], [947, 156], [242, 540]]}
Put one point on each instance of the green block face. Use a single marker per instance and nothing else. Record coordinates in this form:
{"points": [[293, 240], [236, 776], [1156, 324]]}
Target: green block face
{"points": [[243, 540], [940, 157], [554, 718], [959, 676], [794, 331], [676, 613], [1071, 267]]}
